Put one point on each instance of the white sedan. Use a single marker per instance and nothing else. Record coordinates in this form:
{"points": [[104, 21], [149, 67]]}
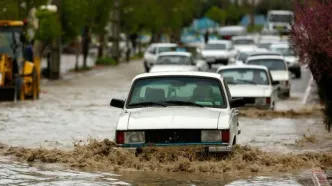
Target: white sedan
{"points": [[278, 68], [178, 61], [218, 52], [244, 43], [253, 83], [152, 52], [178, 108]]}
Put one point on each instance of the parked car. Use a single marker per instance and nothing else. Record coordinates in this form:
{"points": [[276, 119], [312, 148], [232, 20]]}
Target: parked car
{"points": [[218, 52], [178, 61], [278, 68], [291, 58], [151, 54], [178, 108], [244, 43], [253, 83]]}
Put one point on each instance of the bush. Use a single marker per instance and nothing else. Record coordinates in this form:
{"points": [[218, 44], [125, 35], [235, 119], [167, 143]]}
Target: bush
{"points": [[255, 28], [311, 37], [106, 61]]}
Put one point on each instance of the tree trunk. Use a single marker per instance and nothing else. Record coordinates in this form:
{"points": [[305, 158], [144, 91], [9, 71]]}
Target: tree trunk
{"points": [[102, 44], [78, 50]]}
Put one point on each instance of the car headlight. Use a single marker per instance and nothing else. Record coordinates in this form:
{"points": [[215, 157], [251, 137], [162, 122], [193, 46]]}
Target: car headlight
{"points": [[134, 137], [210, 136]]}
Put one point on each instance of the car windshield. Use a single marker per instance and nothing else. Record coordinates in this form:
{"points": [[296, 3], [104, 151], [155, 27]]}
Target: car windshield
{"points": [[215, 47], [7, 42], [243, 56], [284, 51], [245, 76], [173, 60], [264, 45], [243, 42], [177, 91], [280, 18], [271, 64], [167, 49]]}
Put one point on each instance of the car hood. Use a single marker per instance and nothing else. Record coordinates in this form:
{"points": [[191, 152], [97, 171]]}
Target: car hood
{"points": [[177, 118], [250, 90], [214, 53], [280, 75], [172, 68]]}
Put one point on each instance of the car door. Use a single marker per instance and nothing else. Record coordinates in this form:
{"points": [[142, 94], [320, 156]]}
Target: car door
{"points": [[275, 88], [234, 112], [150, 55]]}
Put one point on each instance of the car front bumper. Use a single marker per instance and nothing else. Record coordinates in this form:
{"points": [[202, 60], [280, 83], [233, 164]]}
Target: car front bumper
{"points": [[210, 147]]}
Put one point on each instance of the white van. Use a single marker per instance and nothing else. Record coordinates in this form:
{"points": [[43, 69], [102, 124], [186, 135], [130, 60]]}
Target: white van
{"points": [[279, 21]]}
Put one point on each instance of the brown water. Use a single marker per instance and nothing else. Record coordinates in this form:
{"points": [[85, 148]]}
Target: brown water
{"points": [[75, 110]]}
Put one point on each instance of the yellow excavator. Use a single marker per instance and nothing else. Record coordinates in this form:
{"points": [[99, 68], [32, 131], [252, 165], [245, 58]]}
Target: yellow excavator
{"points": [[19, 75]]}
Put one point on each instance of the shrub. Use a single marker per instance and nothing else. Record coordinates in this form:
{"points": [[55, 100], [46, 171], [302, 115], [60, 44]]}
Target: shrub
{"points": [[311, 37], [106, 61]]}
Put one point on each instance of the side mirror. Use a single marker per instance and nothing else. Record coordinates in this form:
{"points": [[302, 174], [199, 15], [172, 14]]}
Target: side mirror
{"points": [[117, 103], [238, 102], [275, 82]]}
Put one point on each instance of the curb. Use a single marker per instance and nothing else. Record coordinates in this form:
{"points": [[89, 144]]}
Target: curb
{"points": [[319, 177]]}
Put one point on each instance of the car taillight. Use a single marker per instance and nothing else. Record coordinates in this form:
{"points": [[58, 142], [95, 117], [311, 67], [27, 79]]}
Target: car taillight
{"points": [[225, 136], [120, 137], [268, 100]]}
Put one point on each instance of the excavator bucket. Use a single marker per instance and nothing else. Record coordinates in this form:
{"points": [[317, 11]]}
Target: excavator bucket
{"points": [[7, 93]]}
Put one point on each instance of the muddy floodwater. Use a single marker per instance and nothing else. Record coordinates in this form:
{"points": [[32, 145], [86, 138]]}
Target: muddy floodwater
{"points": [[74, 110]]}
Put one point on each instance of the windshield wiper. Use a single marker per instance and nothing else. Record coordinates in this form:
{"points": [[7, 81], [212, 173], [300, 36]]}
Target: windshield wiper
{"points": [[186, 103], [148, 104]]}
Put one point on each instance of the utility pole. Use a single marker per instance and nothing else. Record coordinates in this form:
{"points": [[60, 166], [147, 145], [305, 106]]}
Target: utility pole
{"points": [[56, 49], [116, 30]]}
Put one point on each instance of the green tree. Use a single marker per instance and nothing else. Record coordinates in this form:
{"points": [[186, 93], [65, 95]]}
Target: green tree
{"points": [[216, 14]]}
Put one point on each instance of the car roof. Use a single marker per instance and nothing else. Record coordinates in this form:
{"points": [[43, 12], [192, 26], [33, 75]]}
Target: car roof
{"points": [[280, 45], [262, 53], [265, 57], [242, 66], [280, 12], [232, 28], [188, 54], [180, 73], [242, 37], [219, 42], [163, 44]]}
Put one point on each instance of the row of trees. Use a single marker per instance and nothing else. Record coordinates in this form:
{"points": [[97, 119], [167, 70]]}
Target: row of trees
{"points": [[157, 17]]}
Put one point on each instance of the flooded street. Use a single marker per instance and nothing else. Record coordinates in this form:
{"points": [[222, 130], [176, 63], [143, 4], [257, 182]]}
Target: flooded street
{"points": [[73, 110]]}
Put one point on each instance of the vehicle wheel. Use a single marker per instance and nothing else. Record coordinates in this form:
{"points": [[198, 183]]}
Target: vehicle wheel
{"points": [[287, 94], [210, 65], [19, 93], [35, 90], [298, 74], [146, 68], [234, 141], [273, 106]]}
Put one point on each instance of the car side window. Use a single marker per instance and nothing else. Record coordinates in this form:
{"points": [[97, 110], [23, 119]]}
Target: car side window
{"points": [[152, 50], [227, 90]]}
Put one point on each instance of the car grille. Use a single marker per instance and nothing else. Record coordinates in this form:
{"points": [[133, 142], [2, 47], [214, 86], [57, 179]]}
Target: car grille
{"points": [[172, 136], [248, 100]]}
